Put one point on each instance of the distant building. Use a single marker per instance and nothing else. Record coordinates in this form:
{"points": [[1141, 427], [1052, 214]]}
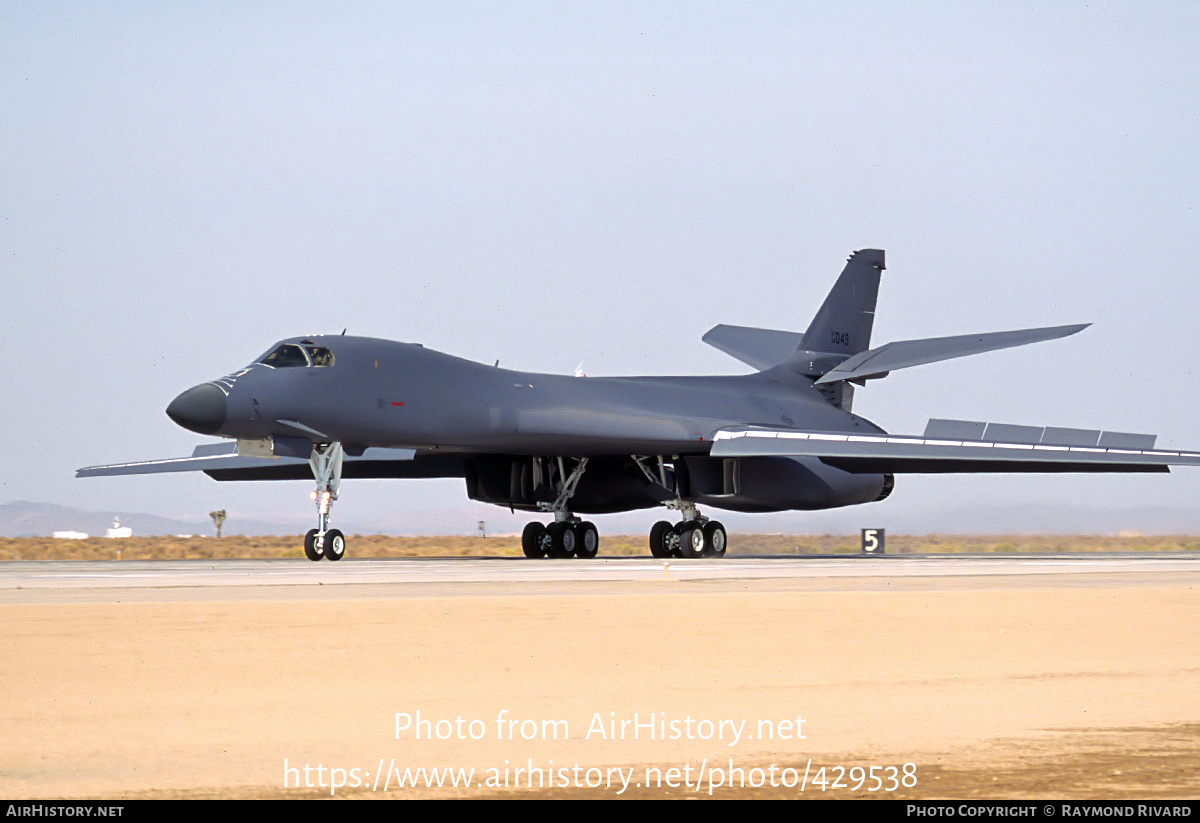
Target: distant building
{"points": [[118, 530], [70, 535]]}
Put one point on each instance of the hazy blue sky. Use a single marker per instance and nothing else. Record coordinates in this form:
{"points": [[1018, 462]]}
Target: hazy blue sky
{"points": [[547, 183]]}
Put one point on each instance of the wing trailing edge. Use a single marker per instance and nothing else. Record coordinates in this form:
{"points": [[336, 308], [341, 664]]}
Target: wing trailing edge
{"points": [[1055, 450]]}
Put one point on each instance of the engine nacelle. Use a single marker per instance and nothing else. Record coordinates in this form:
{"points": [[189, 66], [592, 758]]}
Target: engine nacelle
{"points": [[747, 484], [517, 482], [762, 484]]}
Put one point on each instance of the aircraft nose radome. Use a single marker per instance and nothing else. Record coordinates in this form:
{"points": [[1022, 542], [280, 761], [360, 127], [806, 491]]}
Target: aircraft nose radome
{"points": [[200, 409]]}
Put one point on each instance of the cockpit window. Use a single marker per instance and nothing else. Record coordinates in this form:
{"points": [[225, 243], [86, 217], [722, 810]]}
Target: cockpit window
{"points": [[289, 355], [319, 355], [286, 356]]}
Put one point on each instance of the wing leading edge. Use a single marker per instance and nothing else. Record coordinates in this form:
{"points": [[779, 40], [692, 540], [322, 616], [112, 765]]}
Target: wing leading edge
{"points": [[221, 461], [1023, 449]]}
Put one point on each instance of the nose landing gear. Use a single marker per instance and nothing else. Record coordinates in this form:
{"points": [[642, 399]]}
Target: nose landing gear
{"points": [[326, 463]]}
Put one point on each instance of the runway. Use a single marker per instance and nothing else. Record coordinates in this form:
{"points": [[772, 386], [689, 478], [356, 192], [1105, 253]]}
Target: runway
{"points": [[26, 581]]}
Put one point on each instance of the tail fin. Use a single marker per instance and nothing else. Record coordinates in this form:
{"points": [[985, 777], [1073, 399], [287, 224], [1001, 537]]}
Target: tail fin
{"points": [[836, 348], [841, 328], [843, 323]]}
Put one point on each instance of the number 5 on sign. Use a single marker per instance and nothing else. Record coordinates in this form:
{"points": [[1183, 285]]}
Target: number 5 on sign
{"points": [[872, 541]]}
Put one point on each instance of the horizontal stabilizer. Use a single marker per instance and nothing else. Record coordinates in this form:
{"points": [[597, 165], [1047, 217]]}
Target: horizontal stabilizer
{"points": [[905, 353], [758, 348], [972, 453]]}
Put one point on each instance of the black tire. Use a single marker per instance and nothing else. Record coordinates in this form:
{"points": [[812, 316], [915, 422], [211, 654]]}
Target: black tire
{"points": [[715, 539], [562, 539], [692, 543], [531, 540], [310, 546], [587, 543], [335, 545], [661, 535]]}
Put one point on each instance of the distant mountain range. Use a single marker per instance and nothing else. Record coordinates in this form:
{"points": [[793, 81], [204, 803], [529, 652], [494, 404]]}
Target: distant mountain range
{"points": [[25, 519]]}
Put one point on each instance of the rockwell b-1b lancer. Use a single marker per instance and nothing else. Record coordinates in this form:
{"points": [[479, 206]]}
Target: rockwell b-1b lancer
{"points": [[784, 437]]}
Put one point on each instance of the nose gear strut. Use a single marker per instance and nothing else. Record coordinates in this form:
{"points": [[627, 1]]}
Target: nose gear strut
{"points": [[326, 464]]}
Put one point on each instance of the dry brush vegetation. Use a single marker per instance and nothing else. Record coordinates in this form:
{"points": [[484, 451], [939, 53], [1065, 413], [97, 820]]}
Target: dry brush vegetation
{"points": [[241, 547]]}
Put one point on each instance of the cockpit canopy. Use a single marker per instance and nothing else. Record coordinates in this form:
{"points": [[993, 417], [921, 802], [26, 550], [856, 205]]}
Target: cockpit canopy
{"points": [[290, 355]]}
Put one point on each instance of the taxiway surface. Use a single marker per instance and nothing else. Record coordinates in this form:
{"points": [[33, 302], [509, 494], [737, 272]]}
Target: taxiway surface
{"points": [[22, 576]]}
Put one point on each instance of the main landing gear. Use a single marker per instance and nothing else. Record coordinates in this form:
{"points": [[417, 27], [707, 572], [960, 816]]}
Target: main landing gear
{"points": [[568, 536], [326, 463], [694, 536], [691, 538], [561, 538]]}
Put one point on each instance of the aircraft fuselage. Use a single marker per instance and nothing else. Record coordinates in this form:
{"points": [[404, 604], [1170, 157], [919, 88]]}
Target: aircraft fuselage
{"points": [[385, 393]]}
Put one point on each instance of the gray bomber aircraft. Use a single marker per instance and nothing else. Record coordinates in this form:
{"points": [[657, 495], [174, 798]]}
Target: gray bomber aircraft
{"points": [[784, 437]]}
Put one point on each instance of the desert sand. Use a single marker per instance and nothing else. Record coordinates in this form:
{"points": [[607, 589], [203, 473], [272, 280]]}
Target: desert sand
{"points": [[1081, 686]]}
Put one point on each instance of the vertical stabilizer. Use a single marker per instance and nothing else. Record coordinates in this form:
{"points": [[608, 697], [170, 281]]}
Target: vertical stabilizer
{"points": [[843, 323]]}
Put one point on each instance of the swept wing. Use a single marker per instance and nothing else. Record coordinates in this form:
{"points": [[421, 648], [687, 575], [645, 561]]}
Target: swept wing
{"points": [[961, 446], [221, 461]]}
